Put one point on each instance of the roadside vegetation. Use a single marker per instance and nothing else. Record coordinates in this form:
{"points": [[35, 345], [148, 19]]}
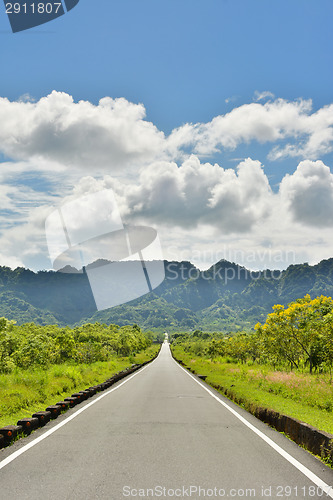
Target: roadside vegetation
{"points": [[285, 365], [40, 365]]}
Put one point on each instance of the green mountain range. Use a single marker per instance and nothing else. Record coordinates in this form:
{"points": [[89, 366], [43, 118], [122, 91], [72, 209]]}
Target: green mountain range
{"points": [[226, 297]]}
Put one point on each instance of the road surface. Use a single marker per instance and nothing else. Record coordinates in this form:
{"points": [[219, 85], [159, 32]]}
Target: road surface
{"points": [[160, 433]]}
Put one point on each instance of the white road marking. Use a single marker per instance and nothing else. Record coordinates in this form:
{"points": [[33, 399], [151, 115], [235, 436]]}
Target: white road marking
{"points": [[48, 433], [328, 490], [310, 475]]}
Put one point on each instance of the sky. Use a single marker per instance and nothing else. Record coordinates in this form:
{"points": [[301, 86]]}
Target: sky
{"points": [[211, 121]]}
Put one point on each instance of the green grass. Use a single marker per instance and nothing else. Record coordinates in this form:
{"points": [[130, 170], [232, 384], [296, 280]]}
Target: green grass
{"points": [[308, 398], [23, 392]]}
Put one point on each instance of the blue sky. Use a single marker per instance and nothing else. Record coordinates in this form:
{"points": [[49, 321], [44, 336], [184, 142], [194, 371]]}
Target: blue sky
{"points": [[182, 59], [186, 62]]}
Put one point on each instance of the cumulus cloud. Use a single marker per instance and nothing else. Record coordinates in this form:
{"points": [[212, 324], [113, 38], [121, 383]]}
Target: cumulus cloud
{"points": [[267, 122], [314, 134], [308, 193], [56, 128], [115, 133], [190, 201], [310, 134], [208, 212], [192, 195]]}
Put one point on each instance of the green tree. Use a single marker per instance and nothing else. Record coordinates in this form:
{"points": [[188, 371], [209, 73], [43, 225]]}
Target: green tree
{"points": [[294, 333]]}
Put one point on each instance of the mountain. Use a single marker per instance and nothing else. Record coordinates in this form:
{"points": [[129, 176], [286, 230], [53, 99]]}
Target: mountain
{"points": [[225, 297]]}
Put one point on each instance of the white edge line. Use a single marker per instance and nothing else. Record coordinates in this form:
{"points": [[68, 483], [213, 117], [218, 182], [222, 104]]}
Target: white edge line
{"points": [[48, 433], [310, 475]]}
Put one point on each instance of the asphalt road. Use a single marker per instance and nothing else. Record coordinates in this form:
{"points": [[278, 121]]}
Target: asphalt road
{"points": [[160, 433]]}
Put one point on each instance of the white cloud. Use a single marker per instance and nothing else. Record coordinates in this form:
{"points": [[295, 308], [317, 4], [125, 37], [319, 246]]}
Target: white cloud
{"points": [[193, 204], [26, 98], [315, 136], [309, 134], [192, 195], [269, 122], [308, 193], [203, 212], [6, 194], [231, 99], [10, 261], [114, 134], [260, 96], [55, 128], [24, 244]]}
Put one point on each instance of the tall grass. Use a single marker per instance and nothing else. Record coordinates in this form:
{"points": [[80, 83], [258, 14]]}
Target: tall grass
{"points": [[23, 392], [308, 398]]}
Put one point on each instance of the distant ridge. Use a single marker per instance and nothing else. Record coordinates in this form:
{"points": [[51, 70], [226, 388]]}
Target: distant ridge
{"points": [[226, 296]]}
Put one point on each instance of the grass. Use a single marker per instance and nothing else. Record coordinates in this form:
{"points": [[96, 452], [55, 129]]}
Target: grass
{"points": [[308, 398], [24, 392]]}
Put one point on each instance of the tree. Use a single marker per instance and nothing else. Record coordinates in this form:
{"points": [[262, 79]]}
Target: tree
{"points": [[295, 333]]}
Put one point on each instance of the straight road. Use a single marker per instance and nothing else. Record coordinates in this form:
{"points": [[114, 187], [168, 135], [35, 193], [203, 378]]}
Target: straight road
{"points": [[160, 433]]}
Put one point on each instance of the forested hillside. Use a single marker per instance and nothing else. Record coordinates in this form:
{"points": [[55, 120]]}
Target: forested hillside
{"points": [[225, 297]]}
